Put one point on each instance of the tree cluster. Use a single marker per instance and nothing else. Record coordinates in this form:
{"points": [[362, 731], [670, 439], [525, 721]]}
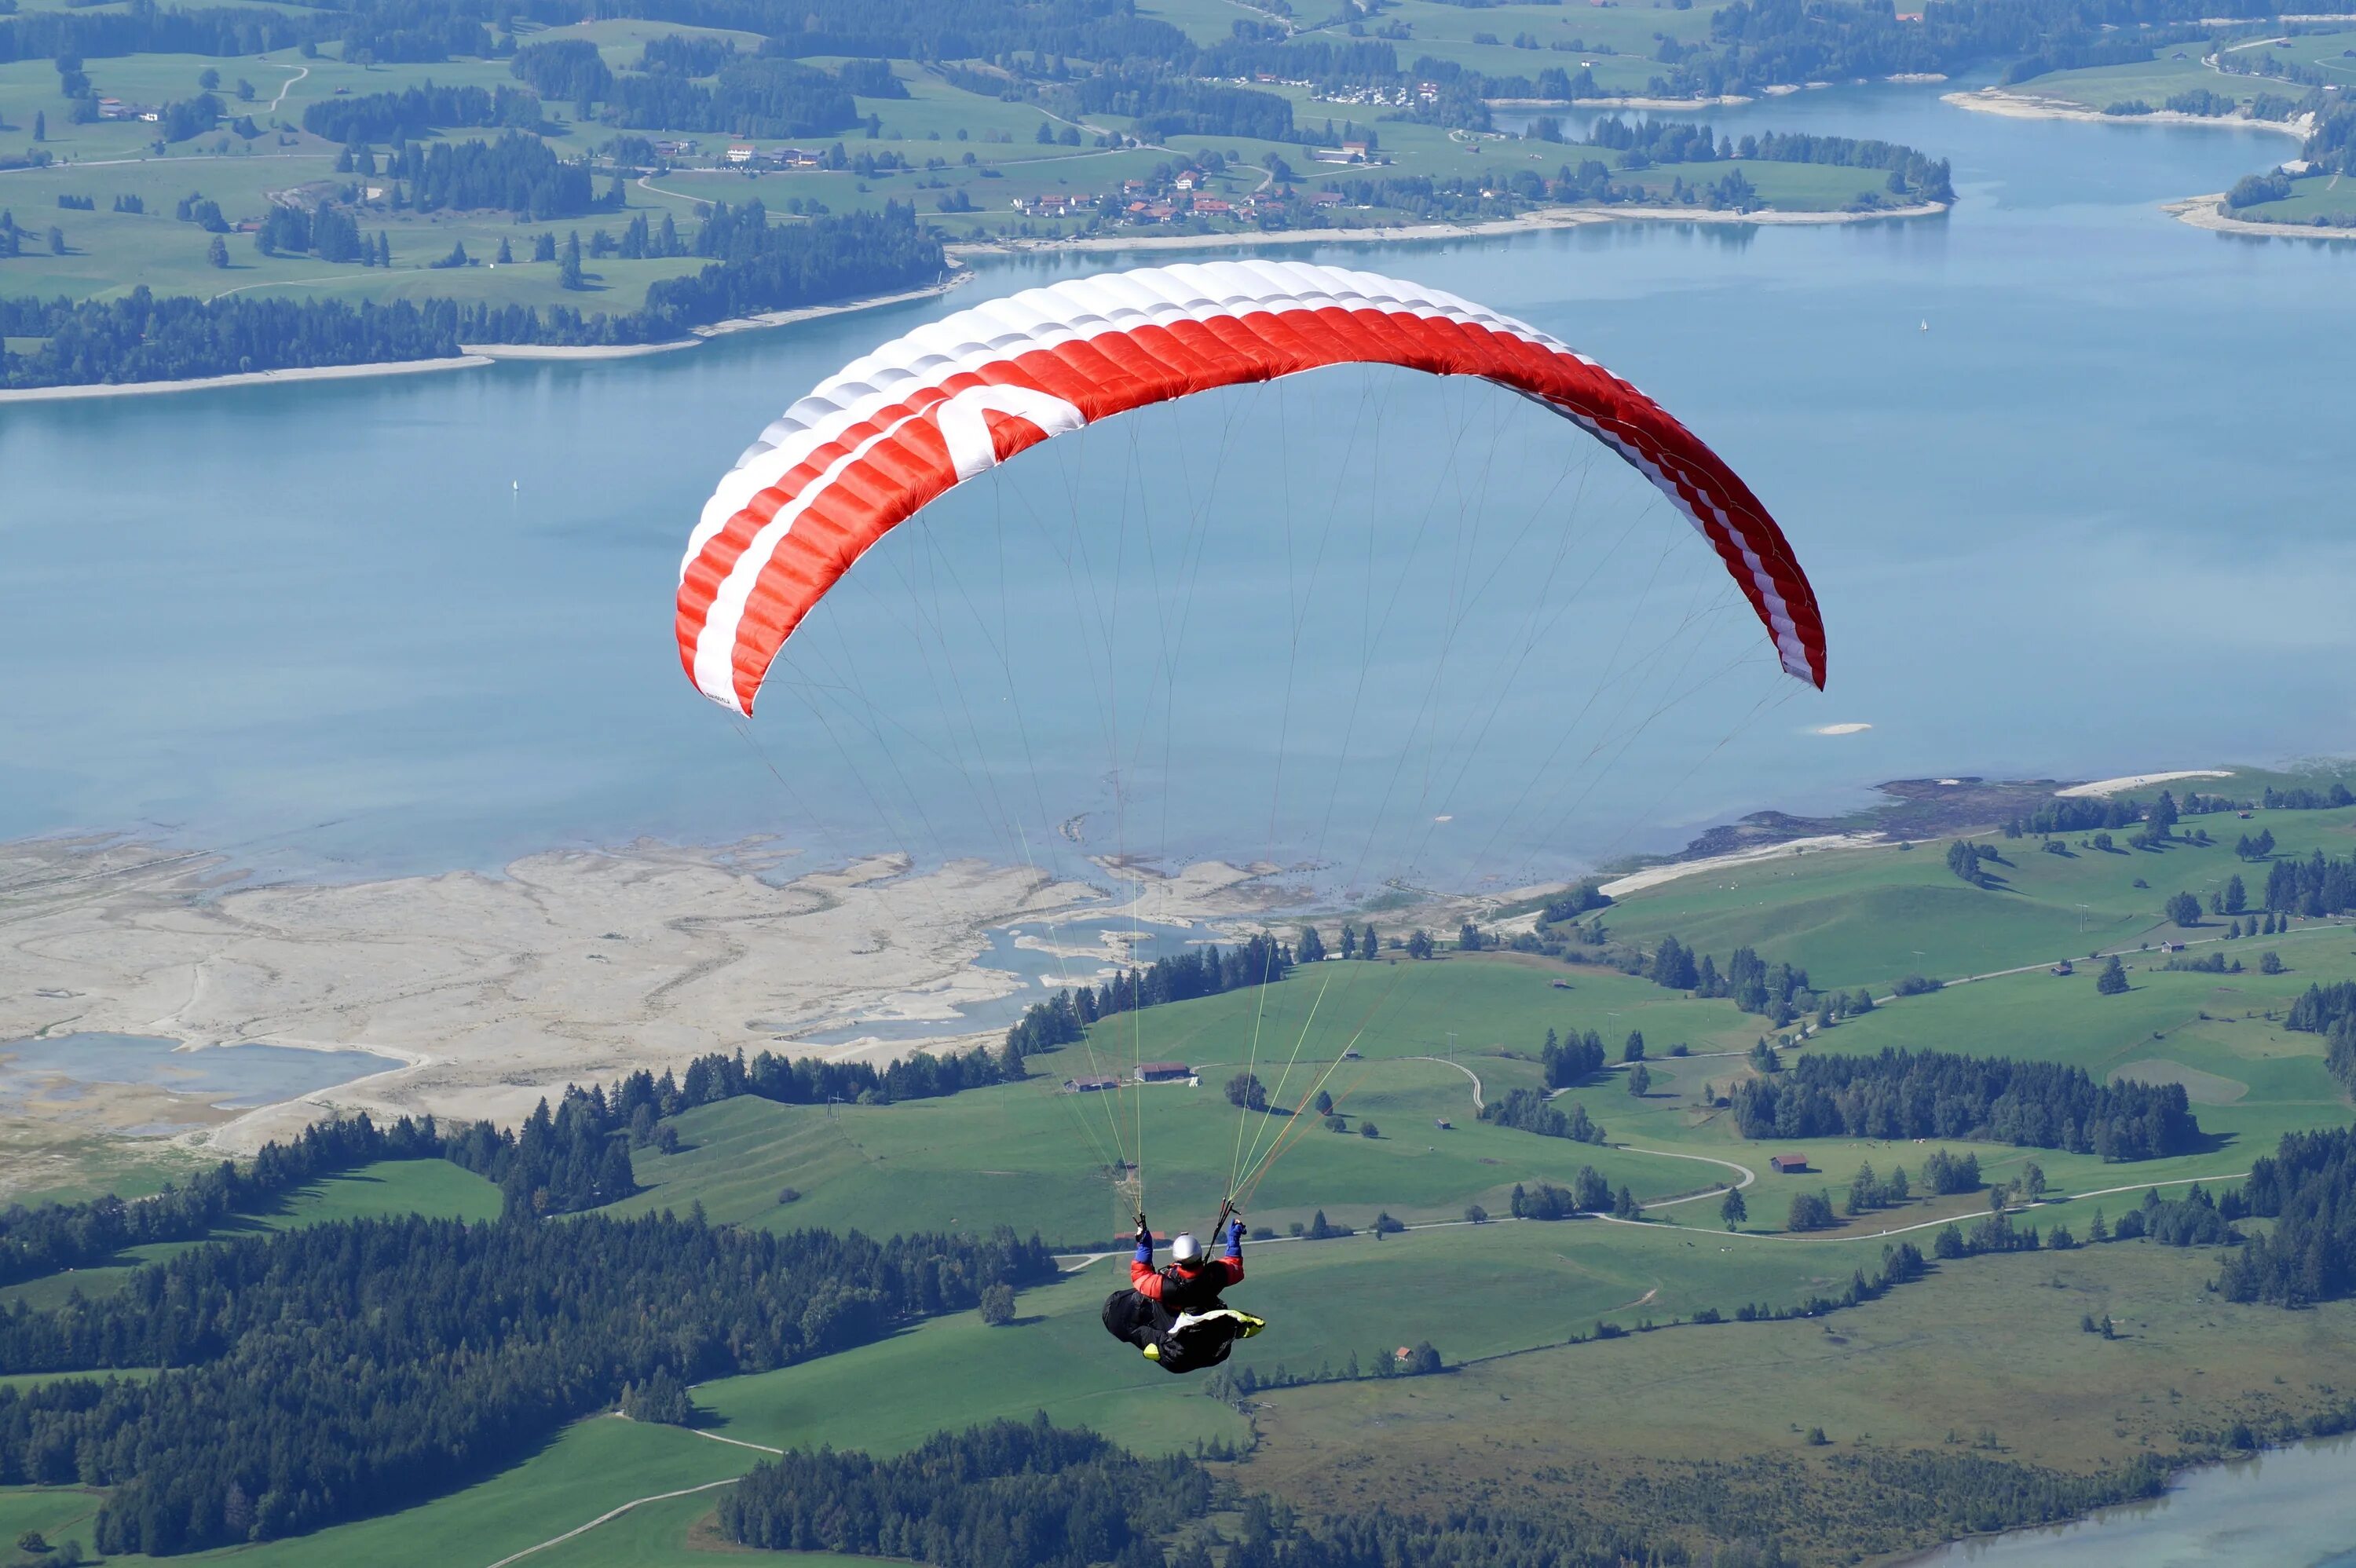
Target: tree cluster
{"points": [[518, 172], [1008, 1495], [342, 1369], [2307, 1186], [1532, 1111], [419, 112], [2313, 888], [1573, 1059], [1063, 1018], [1169, 104], [1938, 1095]]}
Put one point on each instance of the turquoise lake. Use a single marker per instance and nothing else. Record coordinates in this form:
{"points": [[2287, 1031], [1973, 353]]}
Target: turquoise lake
{"points": [[2065, 470]]}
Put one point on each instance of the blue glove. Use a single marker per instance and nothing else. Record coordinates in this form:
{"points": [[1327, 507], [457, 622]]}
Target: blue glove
{"points": [[1235, 1238], [1144, 1241]]}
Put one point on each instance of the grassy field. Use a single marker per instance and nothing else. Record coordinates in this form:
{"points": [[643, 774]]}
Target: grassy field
{"points": [[1864, 917], [1031, 1156], [2181, 68], [1989, 1346], [2326, 198]]}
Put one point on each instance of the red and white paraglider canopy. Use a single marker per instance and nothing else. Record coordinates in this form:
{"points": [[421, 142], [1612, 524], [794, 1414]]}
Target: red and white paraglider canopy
{"points": [[892, 431]]}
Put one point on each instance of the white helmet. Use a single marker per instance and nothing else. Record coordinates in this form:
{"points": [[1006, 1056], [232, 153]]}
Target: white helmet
{"points": [[1186, 1249]]}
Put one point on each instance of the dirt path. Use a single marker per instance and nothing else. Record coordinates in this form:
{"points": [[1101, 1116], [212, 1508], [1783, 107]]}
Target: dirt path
{"points": [[1477, 1106], [300, 72], [614, 1513], [1933, 1224], [1749, 1175]]}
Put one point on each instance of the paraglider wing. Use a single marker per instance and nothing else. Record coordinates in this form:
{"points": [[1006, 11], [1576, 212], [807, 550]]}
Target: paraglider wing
{"points": [[894, 430]]}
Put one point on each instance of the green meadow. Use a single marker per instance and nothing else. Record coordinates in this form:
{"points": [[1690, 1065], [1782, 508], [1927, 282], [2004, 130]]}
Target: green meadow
{"points": [[2181, 67], [1986, 1355]]}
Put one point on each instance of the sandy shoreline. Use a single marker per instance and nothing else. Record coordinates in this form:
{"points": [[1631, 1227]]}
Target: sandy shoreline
{"points": [[2209, 212], [2102, 788], [462, 361], [471, 354], [1676, 870], [2031, 106], [1385, 234]]}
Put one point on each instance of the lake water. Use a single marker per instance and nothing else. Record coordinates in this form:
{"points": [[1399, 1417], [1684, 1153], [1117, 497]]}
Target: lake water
{"points": [[2090, 521], [2290, 1508], [236, 1077]]}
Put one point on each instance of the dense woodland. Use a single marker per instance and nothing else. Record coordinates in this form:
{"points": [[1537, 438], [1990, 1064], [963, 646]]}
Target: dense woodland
{"points": [[1937, 1095], [419, 112], [1003, 1496], [746, 95], [343, 1369], [2307, 1186]]}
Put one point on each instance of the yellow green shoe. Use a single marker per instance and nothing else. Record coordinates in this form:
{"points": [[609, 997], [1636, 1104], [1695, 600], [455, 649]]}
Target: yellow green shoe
{"points": [[1251, 1325], [1154, 1352]]}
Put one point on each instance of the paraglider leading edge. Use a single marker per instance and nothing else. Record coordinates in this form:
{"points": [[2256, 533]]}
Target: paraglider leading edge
{"points": [[896, 428]]}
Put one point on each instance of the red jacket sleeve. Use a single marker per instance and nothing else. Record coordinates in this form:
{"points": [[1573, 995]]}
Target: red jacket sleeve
{"points": [[1235, 1269]]}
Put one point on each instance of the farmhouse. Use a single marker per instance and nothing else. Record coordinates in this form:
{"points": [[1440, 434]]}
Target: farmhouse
{"points": [[1162, 1071], [1789, 1164], [1090, 1086]]}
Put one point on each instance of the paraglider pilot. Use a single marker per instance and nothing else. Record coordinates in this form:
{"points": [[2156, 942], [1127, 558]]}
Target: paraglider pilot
{"points": [[1174, 1314]]}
